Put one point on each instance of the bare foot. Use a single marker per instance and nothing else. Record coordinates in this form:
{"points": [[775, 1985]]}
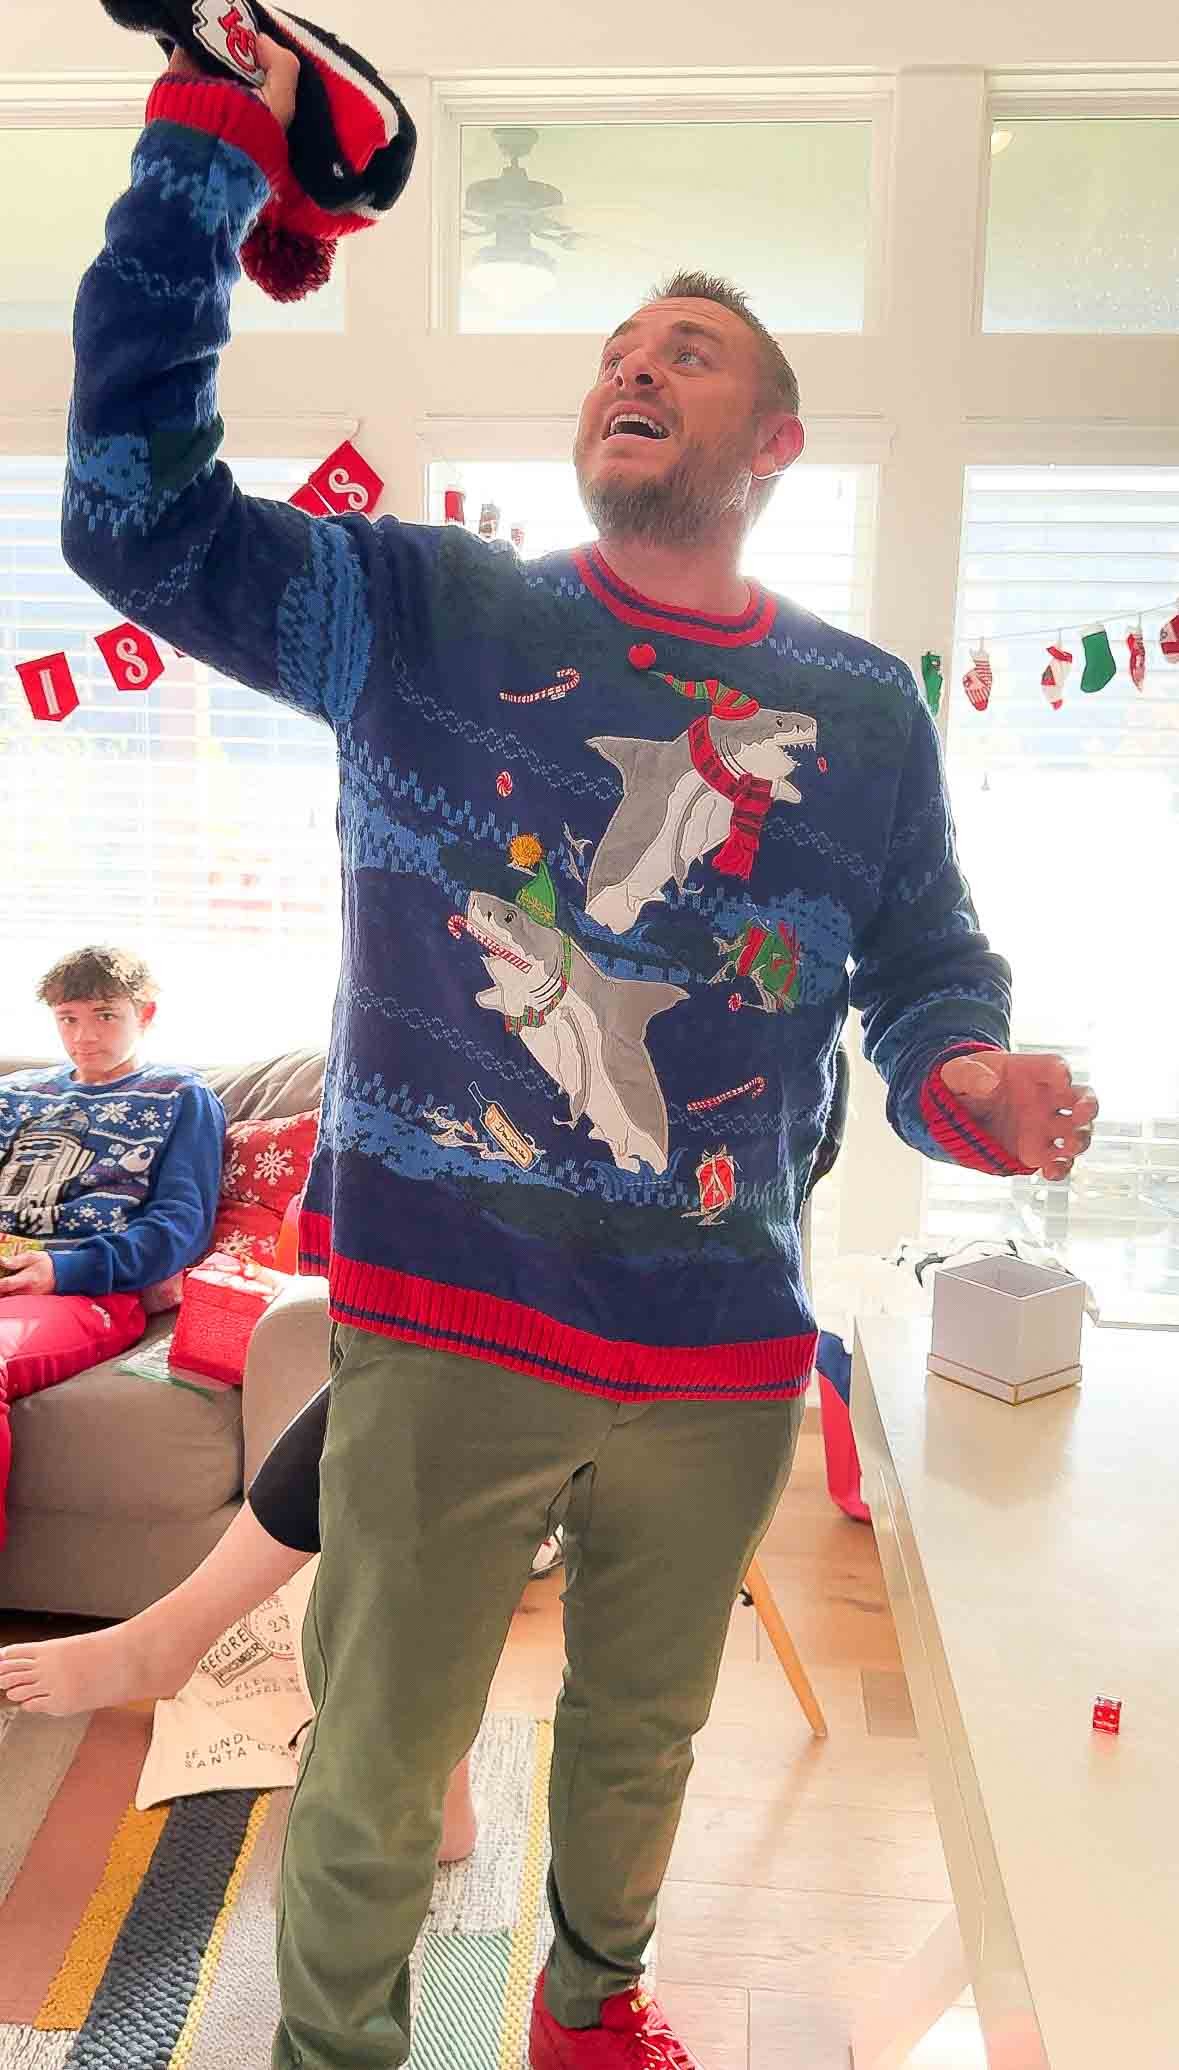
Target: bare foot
{"points": [[93, 1670], [460, 1828]]}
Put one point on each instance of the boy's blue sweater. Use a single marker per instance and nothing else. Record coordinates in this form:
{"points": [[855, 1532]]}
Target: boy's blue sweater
{"points": [[119, 1181], [606, 863]]}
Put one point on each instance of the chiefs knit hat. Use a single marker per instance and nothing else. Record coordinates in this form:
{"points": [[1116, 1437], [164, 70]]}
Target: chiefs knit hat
{"points": [[350, 144]]}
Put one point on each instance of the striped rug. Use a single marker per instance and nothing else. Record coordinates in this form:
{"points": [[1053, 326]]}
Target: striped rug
{"points": [[144, 1940]]}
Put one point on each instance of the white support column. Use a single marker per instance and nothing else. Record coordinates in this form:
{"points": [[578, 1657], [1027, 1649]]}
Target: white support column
{"points": [[940, 139]]}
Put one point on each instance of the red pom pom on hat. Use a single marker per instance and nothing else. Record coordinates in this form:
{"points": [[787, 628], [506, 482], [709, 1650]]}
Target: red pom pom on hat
{"points": [[284, 265], [642, 655]]}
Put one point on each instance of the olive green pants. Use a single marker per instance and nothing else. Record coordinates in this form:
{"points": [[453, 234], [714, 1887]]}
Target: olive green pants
{"points": [[440, 1477]]}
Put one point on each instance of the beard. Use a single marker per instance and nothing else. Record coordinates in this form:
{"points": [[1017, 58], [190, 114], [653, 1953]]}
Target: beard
{"points": [[679, 508]]}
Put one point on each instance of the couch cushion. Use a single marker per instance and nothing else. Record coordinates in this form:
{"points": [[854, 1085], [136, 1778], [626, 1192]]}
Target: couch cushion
{"points": [[291, 1084], [109, 1444]]}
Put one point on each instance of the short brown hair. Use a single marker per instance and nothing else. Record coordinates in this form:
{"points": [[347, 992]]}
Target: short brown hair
{"points": [[98, 973], [779, 390]]}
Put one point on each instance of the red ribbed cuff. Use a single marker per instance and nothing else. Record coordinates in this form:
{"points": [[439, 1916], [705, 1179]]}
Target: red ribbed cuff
{"points": [[955, 1129], [475, 1325], [226, 112]]}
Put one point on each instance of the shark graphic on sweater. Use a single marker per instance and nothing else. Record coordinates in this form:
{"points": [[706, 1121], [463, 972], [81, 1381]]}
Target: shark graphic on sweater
{"points": [[707, 790], [588, 1031]]}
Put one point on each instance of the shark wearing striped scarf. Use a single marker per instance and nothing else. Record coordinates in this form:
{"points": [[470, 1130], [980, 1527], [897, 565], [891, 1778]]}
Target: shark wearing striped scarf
{"points": [[707, 790]]}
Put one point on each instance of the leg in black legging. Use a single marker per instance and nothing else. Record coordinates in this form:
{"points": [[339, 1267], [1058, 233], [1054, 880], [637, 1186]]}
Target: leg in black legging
{"points": [[284, 1493]]}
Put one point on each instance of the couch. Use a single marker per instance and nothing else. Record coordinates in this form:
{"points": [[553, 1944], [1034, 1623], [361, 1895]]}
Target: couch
{"points": [[120, 1486]]}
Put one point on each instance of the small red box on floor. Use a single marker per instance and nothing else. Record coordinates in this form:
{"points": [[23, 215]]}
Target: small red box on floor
{"points": [[218, 1314], [1107, 1714]]}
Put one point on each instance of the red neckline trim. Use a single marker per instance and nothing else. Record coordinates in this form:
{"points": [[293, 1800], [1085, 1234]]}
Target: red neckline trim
{"points": [[633, 608]]}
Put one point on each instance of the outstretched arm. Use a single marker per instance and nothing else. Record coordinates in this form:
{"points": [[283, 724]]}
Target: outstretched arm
{"points": [[936, 1004]]}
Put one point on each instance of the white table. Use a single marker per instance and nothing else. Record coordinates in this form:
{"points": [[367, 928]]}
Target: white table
{"points": [[1031, 1556]]}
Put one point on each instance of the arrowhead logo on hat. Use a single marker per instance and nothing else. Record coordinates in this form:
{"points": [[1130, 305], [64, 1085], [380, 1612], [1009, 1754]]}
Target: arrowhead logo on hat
{"points": [[228, 30]]}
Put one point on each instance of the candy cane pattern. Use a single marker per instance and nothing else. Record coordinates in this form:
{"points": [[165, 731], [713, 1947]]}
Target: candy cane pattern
{"points": [[753, 1086], [567, 679]]}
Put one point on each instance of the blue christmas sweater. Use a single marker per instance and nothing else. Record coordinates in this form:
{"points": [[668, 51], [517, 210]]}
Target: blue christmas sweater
{"points": [[119, 1181], [606, 863]]}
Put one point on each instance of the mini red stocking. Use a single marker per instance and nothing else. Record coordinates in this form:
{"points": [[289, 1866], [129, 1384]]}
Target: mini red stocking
{"points": [[1055, 676], [977, 681], [1136, 647], [1169, 638]]}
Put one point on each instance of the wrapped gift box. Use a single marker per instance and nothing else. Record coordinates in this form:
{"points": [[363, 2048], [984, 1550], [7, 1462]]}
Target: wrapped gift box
{"points": [[1006, 1328], [223, 1299]]}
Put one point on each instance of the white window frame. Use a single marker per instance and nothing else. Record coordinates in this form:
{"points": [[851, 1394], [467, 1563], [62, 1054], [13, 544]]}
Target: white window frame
{"points": [[620, 98], [1079, 95]]}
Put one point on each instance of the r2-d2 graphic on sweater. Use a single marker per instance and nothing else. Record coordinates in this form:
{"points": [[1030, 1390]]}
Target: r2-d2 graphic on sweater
{"points": [[42, 1158]]}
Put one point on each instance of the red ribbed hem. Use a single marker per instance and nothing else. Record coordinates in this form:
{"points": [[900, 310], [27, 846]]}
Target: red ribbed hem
{"points": [[505, 1333], [228, 113], [954, 1128]]}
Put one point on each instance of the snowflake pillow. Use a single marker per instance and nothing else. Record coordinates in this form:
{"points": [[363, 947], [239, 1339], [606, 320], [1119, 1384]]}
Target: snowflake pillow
{"points": [[246, 1232], [266, 1162]]}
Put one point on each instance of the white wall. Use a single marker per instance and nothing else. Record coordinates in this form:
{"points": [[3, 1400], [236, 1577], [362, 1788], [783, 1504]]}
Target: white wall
{"points": [[924, 391], [473, 36]]}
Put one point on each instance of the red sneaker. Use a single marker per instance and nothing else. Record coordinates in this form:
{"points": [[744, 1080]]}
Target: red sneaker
{"points": [[633, 2035]]}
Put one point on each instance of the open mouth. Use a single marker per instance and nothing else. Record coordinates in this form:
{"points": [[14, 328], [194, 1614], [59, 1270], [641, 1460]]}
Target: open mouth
{"points": [[633, 424]]}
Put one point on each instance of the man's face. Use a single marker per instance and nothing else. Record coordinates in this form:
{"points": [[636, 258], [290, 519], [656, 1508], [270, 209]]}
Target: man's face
{"points": [[100, 1036], [691, 369]]}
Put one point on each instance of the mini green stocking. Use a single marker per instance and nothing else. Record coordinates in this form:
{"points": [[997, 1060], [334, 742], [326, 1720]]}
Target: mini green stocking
{"points": [[931, 676], [1100, 666]]}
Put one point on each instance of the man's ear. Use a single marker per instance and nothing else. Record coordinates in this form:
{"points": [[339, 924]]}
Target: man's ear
{"points": [[147, 1014], [783, 443]]}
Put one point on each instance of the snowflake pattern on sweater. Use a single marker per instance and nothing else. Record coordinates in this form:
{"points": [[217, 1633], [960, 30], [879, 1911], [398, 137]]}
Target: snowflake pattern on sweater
{"points": [[121, 1186], [598, 939]]}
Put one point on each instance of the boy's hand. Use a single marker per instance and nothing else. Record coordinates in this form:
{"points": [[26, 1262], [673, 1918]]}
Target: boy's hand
{"points": [[280, 65], [34, 1275]]}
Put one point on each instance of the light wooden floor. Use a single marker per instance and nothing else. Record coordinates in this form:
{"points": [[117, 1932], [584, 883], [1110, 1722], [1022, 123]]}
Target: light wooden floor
{"points": [[805, 1871]]}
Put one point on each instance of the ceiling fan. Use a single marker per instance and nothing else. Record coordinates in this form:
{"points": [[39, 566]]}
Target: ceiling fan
{"points": [[514, 211]]}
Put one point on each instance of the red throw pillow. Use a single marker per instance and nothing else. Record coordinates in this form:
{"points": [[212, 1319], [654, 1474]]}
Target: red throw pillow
{"points": [[267, 1162], [265, 1169], [246, 1232]]}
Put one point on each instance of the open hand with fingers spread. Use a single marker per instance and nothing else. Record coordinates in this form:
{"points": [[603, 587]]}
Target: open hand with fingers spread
{"points": [[1030, 1104]]}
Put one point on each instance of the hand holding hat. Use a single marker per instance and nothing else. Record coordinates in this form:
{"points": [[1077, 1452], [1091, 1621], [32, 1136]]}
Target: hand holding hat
{"points": [[350, 140]]}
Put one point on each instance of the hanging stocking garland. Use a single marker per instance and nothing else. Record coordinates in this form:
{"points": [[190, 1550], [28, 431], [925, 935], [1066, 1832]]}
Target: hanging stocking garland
{"points": [[1136, 649], [978, 680], [1055, 676], [1100, 666], [1169, 638], [931, 677]]}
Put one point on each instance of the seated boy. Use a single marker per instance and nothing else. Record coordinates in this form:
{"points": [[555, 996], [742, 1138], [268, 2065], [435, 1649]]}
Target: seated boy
{"points": [[109, 1171]]}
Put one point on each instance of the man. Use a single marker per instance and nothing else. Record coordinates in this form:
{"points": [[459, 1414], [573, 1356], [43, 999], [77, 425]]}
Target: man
{"points": [[109, 1176], [580, 1063]]}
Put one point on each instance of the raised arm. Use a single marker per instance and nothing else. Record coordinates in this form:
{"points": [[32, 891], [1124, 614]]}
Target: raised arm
{"points": [[287, 603]]}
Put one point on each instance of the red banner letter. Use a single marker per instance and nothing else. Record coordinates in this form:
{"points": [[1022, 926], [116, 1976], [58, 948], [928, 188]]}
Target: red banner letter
{"points": [[346, 481], [132, 658], [309, 499], [49, 686]]}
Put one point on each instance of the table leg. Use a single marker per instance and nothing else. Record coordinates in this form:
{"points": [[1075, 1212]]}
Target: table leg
{"points": [[924, 1988]]}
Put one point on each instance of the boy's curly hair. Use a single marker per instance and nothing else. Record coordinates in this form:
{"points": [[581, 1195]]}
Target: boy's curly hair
{"points": [[98, 973]]}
